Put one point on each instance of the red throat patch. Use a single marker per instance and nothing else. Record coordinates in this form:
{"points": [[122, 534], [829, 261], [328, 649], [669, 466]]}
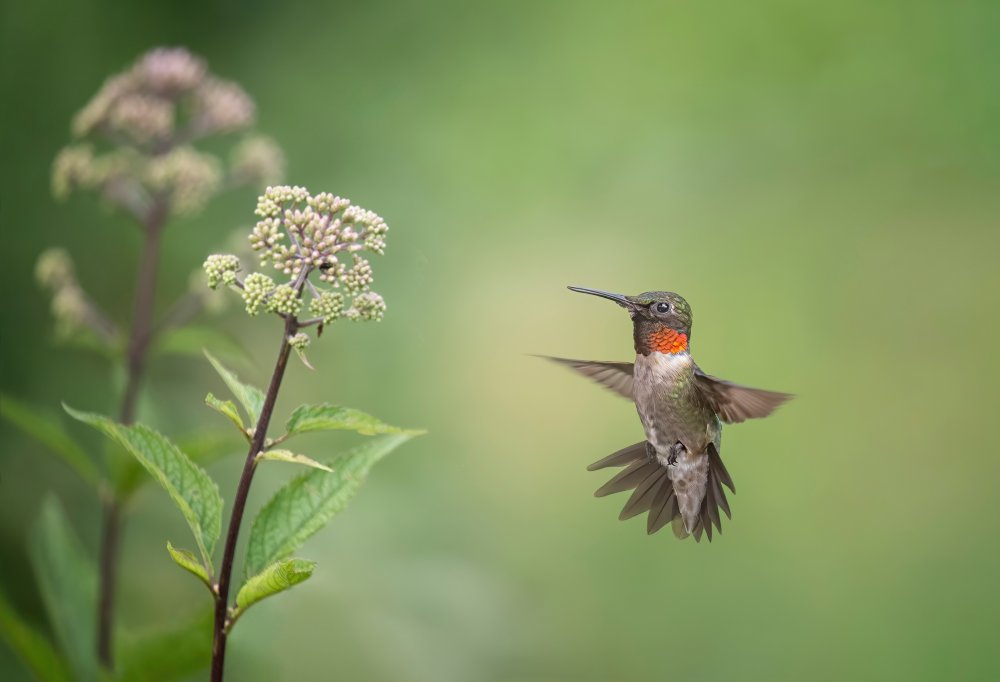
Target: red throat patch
{"points": [[665, 340]]}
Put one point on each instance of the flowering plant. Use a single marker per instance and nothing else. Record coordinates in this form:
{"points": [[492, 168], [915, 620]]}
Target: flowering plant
{"points": [[304, 238], [136, 143], [136, 146]]}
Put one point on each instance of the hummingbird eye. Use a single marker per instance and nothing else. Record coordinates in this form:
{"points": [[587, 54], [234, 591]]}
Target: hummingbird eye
{"points": [[663, 307]]}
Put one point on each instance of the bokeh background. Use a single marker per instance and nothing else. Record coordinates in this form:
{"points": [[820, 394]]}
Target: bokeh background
{"points": [[820, 180]]}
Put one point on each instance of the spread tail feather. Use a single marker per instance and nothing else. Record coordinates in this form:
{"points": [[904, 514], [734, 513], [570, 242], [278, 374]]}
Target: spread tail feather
{"points": [[715, 497], [653, 492], [622, 457]]}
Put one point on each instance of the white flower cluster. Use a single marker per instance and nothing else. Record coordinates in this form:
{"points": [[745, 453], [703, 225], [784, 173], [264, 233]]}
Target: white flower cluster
{"points": [[148, 101], [300, 235], [151, 113], [319, 230]]}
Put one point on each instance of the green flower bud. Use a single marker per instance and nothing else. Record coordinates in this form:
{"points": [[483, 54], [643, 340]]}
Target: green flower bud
{"points": [[359, 277], [284, 300], [221, 268], [299, 341], [329, 306], [256, 289], [367, 306]]}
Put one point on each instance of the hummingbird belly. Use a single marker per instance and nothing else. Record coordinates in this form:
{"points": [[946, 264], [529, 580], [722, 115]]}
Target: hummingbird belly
{"points": [[678, 424]]}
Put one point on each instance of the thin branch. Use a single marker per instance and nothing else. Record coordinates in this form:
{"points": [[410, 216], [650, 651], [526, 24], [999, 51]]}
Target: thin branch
{"points": [[220, 630], [312, 288], [142, 312], [139, 340]]}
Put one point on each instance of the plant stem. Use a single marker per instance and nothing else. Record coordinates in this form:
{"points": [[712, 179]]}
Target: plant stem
{"points": [[110, 534], [142, 310], [135, 365], [240, 501]]}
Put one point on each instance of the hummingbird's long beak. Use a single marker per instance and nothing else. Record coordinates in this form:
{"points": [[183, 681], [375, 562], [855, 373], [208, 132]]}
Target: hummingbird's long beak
{"points": [[617, 298]]}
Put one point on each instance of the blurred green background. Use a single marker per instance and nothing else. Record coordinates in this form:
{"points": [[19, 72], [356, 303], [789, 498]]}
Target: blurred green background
{"points": [[820, 180]]}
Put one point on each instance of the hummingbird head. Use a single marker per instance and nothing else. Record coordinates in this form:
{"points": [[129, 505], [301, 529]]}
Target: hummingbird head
{"points": [[661, 320]]}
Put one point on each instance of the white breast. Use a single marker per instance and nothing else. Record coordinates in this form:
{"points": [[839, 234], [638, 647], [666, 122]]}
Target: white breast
{"points": [[660, 368], [656, 376]]}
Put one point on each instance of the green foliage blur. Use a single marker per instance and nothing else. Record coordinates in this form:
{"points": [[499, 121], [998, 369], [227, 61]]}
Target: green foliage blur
{"points": [[820, 180]]}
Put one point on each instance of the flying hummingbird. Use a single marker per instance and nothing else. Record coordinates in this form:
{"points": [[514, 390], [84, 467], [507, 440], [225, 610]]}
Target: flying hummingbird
{"points": [[676, 473]]}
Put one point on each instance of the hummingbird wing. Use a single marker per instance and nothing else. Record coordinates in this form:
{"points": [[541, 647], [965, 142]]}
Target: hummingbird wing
{"points": [[618, 376], [734, 403]]}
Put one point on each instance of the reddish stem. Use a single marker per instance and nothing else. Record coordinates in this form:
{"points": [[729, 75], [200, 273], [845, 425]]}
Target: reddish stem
{"points": [[240, 501]]}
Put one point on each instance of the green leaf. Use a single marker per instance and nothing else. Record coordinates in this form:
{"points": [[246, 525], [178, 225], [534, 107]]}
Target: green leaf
{"points": [[227, 408], [67, 581], [289, 456], [251, 397], [189, 562], [49, 432], [203, 447], [191, 340], [276, 578], [170, 654], [32, 647], [305, 504], [191, 489], [335, 418]]}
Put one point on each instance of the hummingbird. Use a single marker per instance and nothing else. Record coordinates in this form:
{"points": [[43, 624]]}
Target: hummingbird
{"points": [[676, 474]]}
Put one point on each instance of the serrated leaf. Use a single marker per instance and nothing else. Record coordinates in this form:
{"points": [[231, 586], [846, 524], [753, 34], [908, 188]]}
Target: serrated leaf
{"points": [[192, 340], [251, 397], [326, 417], [276, 578], [67, 581], [201, 447], [227, 409], [169, 654], [305, 504], [189, 562], [293, 458], [189, 486], [49, 432], [32, 647]]}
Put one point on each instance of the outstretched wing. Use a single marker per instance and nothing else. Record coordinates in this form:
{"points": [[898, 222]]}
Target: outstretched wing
{"points": [[734, 403], [618, 376]]}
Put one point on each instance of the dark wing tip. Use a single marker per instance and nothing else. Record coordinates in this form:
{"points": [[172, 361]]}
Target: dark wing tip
{"points": [[616, 376]]}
